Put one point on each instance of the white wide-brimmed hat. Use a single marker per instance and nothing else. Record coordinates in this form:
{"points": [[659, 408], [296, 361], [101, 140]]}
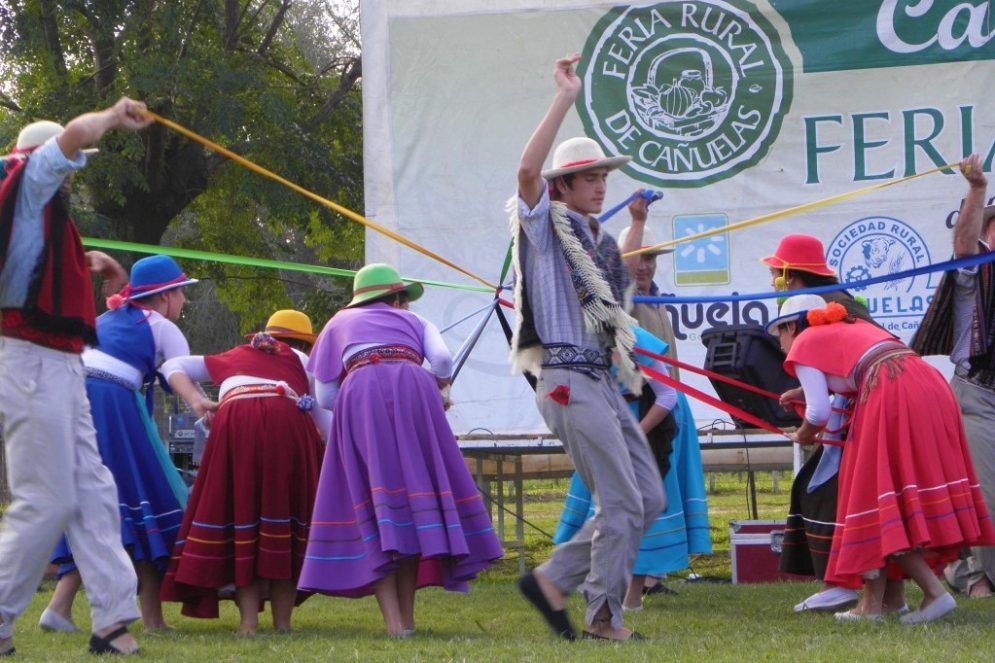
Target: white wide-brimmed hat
{"points": [[649, 239], [794, 308], [577, 154], [37, 133]]}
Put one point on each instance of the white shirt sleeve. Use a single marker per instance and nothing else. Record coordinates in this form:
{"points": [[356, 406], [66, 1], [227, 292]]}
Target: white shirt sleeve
{"points": [[666, 396], [325, 393], [321, 416], [169, 340], [816, 388], [194, 367], [436, 351]]}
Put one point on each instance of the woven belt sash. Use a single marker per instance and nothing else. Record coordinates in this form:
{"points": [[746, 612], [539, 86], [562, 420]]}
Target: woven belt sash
{"points": [[110, 377], [259, 391], [382, 353], [865, 367]]}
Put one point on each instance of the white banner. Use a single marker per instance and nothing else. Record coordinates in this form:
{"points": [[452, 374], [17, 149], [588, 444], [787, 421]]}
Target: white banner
{"points": [[734, 109]]}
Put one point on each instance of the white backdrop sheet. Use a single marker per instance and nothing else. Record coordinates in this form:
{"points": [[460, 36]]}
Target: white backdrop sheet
{"points": [[734, 109]]}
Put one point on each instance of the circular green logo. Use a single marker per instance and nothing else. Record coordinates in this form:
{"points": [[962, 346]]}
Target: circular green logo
{"points": [[693, 90]]}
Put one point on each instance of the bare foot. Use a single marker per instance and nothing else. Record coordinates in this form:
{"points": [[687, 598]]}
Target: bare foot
{"points": [[161, 627], [247, 630], [602, 629], [6, 645], [981, 589]]}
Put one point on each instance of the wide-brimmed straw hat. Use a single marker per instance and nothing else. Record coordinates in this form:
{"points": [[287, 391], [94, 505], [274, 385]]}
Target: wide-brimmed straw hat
{"points": [[378, 280], [289, 324], [37, 133], [155, 274], [794, 308], [577, 154], [802, 253], [649, 239]]}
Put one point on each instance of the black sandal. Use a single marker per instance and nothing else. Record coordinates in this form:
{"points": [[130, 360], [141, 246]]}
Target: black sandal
{"points": [[557, 619], [102, 645], [658, 588], [8, 652]]}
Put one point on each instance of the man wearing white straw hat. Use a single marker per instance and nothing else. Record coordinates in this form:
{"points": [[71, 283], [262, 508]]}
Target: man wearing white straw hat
{"points": [[56, 476], [569, 297]]}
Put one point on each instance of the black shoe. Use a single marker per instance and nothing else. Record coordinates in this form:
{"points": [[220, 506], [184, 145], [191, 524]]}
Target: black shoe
{"points": [[102, 645], [659, 588], [557, 619]]}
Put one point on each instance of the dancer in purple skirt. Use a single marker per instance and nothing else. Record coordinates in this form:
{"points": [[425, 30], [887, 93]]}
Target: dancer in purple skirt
{"points": [[396, 509]]}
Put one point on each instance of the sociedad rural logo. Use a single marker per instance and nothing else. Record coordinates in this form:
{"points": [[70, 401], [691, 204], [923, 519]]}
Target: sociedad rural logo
{"points": [[693, 91], [880, 246]]}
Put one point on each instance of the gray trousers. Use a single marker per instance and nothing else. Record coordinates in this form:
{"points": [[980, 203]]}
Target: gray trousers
{"points": [[977, 408], [613, 458], [59, 484]]}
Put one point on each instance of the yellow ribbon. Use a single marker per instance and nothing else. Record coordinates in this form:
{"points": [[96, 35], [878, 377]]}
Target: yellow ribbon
{"points": [[787, 212], [358, 218]]}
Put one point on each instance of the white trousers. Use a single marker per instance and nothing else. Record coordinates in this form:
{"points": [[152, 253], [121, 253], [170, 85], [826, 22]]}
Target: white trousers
{"points": [[59, 484]]}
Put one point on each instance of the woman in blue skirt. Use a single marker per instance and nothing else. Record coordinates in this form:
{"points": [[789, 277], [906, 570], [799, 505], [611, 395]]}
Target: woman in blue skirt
{"points": [[136, 335]]}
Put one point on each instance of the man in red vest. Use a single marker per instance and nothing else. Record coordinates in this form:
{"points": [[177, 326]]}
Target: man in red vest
{"points": [[57, 479]]}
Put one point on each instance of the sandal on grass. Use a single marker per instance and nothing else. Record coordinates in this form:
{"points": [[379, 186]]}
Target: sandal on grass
{"points": [[658, 588], [636, 637], [102, 645]]}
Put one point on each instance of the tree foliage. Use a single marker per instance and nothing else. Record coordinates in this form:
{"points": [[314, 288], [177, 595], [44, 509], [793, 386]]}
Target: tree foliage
{"points": [[272, 80]]}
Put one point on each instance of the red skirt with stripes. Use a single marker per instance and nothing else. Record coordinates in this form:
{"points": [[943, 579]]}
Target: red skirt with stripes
{"points": [[906, 482], [249, 513]]}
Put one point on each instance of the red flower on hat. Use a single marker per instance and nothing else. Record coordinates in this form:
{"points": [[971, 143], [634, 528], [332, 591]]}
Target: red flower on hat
{"points": [[561, 394]]}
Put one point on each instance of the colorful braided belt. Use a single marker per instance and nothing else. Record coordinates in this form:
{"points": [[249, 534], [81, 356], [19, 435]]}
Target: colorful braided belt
{"points": [[382, 353]]}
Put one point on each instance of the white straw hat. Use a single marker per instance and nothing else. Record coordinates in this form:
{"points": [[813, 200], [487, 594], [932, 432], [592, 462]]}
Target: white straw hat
{"points": [[37, 133], [577, 154], [794, 308], [649, 239]]}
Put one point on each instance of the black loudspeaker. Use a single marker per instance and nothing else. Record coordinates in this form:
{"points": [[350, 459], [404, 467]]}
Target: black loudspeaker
{"points": [[749, 354]]}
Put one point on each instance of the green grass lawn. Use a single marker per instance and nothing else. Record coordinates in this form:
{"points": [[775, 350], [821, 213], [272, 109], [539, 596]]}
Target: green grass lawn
{"points": [[705, 622]]}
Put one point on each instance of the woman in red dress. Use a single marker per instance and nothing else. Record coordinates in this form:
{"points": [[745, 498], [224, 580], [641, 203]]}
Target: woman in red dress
{"points": [[247, 522], [909, 500]]}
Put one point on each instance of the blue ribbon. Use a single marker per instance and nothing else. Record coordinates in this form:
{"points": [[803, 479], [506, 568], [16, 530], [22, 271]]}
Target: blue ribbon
{"points": [[650, 195], [950, 265]]}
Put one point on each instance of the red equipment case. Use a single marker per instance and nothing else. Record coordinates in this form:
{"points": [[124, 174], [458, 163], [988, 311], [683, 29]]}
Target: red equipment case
{"points": [[756, 550]]}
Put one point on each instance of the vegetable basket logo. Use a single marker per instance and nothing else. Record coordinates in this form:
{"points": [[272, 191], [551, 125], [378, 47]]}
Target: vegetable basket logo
{"points": [[693, 90]]}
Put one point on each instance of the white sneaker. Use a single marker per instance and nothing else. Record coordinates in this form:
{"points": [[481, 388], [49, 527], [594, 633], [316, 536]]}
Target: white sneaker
{"points": [[52, 621], [848, 616], [930, 613], [829, 600]]}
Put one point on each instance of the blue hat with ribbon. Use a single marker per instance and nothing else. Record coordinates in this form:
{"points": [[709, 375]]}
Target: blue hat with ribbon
{"points": [[153, 275]]}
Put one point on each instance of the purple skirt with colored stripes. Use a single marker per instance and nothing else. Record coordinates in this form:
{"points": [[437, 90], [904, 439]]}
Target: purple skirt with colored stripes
{"points": [[393, 486]]}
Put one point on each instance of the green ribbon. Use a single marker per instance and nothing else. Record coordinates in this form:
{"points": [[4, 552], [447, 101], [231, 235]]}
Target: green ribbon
{"points": [[265, 263]]}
